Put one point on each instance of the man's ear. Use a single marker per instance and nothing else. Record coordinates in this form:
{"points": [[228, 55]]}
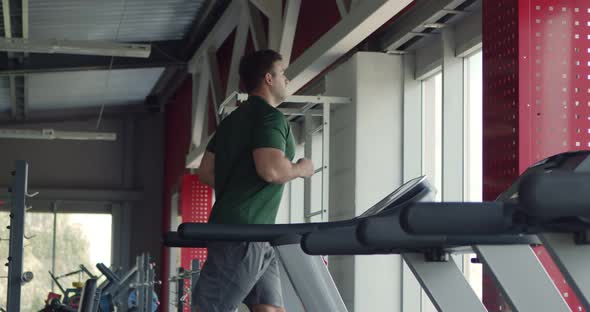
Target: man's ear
{"points": [[268, 78]]}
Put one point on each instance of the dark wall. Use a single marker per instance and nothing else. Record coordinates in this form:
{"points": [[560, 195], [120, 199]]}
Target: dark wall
{"points": [[149, 176], [133, 163], [177, 141], [65, 163]]}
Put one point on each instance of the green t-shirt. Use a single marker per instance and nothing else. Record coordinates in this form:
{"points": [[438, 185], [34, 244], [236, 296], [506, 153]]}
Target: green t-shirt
{"points": [[241, 196]]}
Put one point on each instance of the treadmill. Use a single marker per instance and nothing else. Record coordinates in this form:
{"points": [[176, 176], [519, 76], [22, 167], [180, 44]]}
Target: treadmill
{"points": [[426, 233], [309, 275], [549, 199], [308, 278]]}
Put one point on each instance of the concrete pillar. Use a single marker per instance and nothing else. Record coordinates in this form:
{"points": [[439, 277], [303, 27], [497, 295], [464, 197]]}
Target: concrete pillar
{"points": [[366, 159]]}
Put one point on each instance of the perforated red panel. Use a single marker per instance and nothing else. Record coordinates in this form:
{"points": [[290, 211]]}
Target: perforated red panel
{"points": [[560, 79], [196, 201], [500, 107], [500, 112], [536, 97], [555, 112]]}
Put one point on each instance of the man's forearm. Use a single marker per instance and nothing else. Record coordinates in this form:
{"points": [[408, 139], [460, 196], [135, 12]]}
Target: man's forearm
{"points": [[209, 182], [205, 178], [282, 172]]}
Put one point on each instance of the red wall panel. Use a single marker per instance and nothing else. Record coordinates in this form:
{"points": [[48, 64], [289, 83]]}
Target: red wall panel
{"points": [[554, 107], [178, 136], [536, 98], [558, 77], [315, 19], [500, 92], [196, 201]]}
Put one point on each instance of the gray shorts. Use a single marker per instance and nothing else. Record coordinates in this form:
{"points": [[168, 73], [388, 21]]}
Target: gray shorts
{"points": [[238, 272]]}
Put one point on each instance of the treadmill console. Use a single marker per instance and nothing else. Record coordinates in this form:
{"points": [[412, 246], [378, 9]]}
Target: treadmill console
{"points": [[403, 194]]}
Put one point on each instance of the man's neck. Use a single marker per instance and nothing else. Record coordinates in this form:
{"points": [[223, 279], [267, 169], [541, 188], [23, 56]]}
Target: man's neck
{"points": [[267, 97]]}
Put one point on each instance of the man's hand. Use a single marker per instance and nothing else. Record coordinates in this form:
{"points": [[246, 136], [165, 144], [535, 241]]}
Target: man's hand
{"points": [[206, 171], [306, 167], [273, 167]]}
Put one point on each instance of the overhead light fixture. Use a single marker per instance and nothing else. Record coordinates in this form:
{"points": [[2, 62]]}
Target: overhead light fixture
{"points": [[75, 47], [435, 25], [50, 134], [395, 52]]}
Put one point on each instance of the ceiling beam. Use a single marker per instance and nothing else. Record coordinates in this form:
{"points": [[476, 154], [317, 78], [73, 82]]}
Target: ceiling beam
{"points": [[218, 34], [343, 6], [173, 76], [425, 13], [256, 27], [288, 30], [163, 56], [77, 47], [367, 17], [203, 22]]}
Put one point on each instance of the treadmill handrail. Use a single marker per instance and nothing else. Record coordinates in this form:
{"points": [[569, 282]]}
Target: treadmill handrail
{"points": [[457, 218], [554, 195], [241, 232], [173, 239]]}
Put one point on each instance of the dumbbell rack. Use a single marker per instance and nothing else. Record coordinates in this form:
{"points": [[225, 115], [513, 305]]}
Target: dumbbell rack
{"points": [[17, 228]]}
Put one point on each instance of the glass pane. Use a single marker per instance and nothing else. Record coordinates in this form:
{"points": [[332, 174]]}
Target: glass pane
{"points": [[36, 259], [474, 128], [432, 149], [473, 152], [82, 239]]}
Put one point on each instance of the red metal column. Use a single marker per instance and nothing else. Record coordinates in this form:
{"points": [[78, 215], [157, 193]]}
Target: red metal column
{"points": [[559, 49], [500, 91], [196, 201], [500, 112], [555, 109], [536, 97]]}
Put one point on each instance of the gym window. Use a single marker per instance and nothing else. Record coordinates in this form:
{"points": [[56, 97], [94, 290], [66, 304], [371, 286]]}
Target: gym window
{"points": [[473, 151], [79, 239], [432, 131]]}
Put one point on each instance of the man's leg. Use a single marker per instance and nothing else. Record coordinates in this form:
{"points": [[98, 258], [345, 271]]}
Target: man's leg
{"points": [[267, 294], [228, 275]]}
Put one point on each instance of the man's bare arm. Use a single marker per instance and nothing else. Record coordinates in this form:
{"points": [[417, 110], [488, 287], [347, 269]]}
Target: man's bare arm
{"points": [[206, 171], [273, 167]]}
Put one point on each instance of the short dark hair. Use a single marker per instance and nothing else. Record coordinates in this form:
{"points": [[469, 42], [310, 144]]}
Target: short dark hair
{"points": [[255, 65]]}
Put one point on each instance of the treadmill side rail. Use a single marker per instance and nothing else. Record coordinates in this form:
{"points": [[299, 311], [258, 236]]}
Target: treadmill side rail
{"points": [[311, 279], [521, 278], [445, 284], [572, 260]]}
